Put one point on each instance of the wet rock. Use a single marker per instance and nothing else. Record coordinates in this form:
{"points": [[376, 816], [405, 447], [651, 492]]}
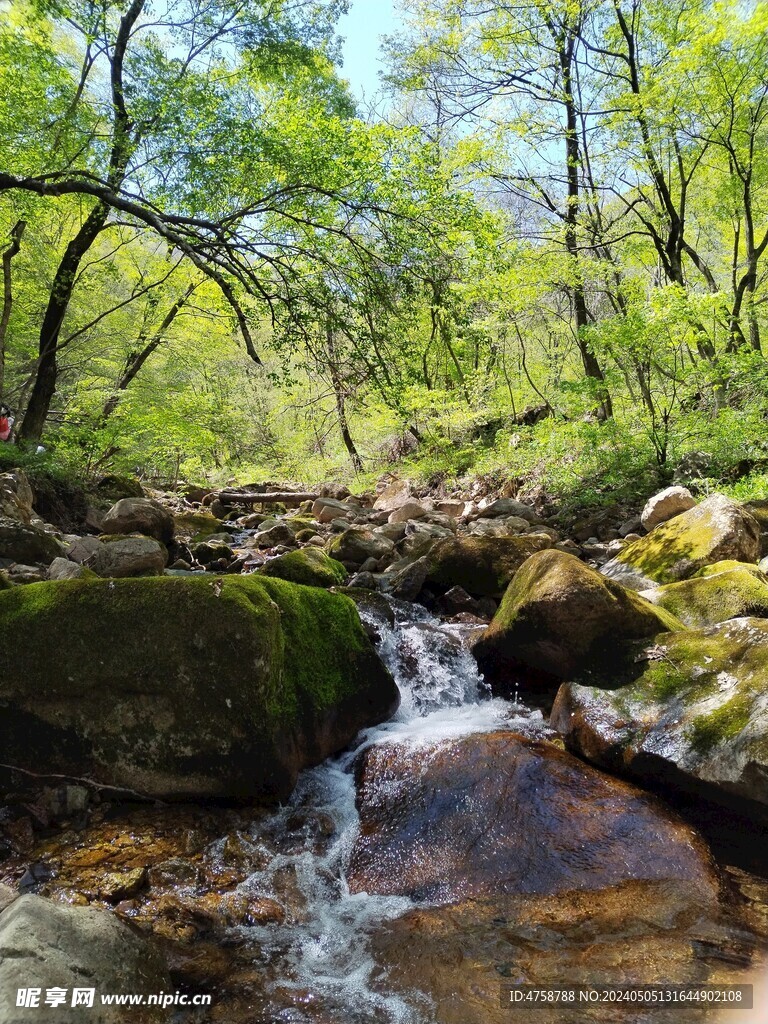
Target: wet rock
{"points": [[635, 933], [27, 544], [357, 544], [140, 515], [457, 601], [47, 945], [666, 505], [692, 713], [716, 529], [122, 885], [554, 615], [207, 552], [439, 825], [407, 583], [119, 557], [483, 566], [725, 590], [173, 872], [309, 566], [262, 679]]}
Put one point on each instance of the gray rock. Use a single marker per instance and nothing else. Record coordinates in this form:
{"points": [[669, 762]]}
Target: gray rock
{"points": [[394, 495], [666, 505], [46, 945], [63, 569], [27, 544], [278, 534], [407, 583], [83, 549], [410, 510], [16, 496], [129, 556], [140, 515], [508, 507], [357, 544]]}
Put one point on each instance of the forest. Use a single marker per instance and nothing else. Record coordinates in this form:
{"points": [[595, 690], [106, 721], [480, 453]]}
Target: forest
{"points": [[540, 253]]}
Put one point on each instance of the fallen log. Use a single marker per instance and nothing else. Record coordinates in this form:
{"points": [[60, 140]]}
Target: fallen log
{"points": [[261, 497]]}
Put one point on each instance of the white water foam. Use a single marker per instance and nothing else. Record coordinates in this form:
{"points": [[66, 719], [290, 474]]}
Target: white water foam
{"points": [[323, 947]]}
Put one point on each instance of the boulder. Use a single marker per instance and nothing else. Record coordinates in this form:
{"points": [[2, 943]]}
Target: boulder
{"points": [[688, 710], [209, 551], [185, 688], [28, 544], [406, 584], [558, 613], [116, 486], [410, 510], [129, 556], [716, 529], [325, 510], [507, 507], [498, 815], [725, 590], [140, 515], [666, 505], [16, 496], [46, 945], [356, 544], [395, 494], [276, 535], [63, 569], [309, 566], [483, 566]]}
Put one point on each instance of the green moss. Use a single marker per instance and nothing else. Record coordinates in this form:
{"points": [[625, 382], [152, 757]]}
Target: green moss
{"points": [[309, 566], [318, 673], [719, 595], [720, 725]]}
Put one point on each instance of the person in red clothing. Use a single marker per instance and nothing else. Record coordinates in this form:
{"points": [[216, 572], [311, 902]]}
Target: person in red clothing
{"points": [[6, 423]]}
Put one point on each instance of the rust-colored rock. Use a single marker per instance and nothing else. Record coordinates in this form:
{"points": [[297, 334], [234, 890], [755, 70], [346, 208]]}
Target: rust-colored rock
{"points": [[497, 814]]}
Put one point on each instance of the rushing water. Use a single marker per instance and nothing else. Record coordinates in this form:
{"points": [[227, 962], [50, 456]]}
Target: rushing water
{"points": [[321, 952]]}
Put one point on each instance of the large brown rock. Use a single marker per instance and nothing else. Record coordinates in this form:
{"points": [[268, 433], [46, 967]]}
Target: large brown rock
{"points": [[688, 710], [715, 530], [483, 566], [496, 814], [666, 505], [556, 612], [140, 515]]}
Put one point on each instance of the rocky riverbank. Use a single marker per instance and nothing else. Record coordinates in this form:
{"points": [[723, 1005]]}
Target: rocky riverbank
{"points": [[178, 665]]}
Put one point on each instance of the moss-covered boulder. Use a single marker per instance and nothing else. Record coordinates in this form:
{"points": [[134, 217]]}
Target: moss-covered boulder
{"points": [[716, 529], [483, 566], [184, 688], [688, 710], [726, 590], [309, 566], [557, 613], [357, 544]]}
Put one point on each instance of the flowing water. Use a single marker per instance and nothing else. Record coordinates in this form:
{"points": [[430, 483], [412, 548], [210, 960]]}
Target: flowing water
{"points": [[321, 953]]}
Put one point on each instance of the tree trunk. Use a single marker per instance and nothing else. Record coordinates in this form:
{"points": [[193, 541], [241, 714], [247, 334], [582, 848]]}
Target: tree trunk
{"points": [[5, 317]]}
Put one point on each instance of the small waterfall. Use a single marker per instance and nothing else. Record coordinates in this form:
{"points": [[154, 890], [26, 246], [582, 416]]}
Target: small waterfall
{"points": [[320, 953]]}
